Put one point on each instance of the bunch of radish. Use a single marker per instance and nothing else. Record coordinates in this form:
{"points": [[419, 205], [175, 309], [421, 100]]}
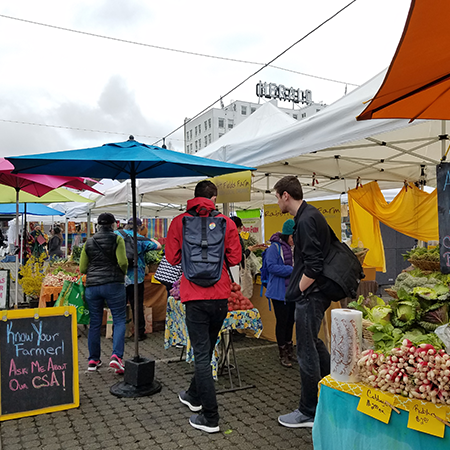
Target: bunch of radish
{"points": [[416, 372], [236, 300]]}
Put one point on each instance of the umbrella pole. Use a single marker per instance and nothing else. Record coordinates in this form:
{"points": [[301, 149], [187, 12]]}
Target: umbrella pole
{"points": [[16, 293], [135, 266], [139, 379]]}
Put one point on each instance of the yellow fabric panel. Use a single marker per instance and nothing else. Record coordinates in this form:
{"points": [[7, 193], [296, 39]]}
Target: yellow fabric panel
{"points": [[412, 212], [366, 233]]}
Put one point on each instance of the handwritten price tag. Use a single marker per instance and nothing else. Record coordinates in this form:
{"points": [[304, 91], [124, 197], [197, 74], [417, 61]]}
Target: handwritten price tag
{"points": [[422, 417], [373, 403]]}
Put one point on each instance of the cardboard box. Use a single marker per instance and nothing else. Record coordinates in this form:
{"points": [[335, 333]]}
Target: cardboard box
{"points": [[129, 330], [370, 273]]}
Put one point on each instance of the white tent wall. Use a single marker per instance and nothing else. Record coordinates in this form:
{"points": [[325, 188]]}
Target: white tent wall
{"points": [[332, 148]]}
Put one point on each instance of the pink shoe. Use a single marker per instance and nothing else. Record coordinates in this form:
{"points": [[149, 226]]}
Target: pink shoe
{"points": [[117, 364]]}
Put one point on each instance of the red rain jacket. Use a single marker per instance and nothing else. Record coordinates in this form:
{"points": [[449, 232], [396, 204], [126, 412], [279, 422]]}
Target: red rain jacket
{"points": [[190, 291]]}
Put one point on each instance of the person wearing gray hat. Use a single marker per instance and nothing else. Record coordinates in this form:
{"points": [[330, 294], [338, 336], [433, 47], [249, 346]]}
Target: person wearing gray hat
{"points": [[104, 261]]}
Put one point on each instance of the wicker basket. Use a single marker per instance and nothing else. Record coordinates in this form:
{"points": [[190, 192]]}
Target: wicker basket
{"points": [[392, 293], [366, 334], [361, 255], [426, 265]]}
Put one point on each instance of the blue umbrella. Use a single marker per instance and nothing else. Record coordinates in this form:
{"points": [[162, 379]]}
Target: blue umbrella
{"points": [[124, 160], [36, 209]]}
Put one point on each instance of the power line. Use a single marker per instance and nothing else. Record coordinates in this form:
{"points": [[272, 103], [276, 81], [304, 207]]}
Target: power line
{"points": [[262, 68], [204, 55], [79, 129]]}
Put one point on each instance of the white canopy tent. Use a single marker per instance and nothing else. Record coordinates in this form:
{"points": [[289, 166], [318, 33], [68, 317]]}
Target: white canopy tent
{"points": [[331, 148]]}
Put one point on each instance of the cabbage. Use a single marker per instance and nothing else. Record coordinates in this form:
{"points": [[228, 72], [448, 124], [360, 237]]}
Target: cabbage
{"points": [[435, 316], [405, 312], [380, 314]]}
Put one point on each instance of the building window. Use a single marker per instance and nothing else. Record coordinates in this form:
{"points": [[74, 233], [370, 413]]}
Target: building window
{"points": [[220, 135], [209, 123], [196, 130], [209, 138], [317, 110], [196, 146], [243, 110], [252, 110], [206, 141], [230, 124], [303, 115], [294, 116], [221, 122], [206, 125]]}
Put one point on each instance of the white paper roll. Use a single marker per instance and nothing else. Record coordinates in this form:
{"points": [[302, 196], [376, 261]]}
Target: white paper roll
{"points": [[346, 338]]}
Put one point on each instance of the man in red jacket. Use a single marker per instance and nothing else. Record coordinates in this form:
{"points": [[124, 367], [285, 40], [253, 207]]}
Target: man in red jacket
{"points": [[206, 309]]}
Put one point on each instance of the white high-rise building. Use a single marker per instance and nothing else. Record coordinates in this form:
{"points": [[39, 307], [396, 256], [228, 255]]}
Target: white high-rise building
{"points": [[211, 125]]}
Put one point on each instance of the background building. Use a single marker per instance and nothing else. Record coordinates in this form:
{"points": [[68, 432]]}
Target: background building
{"points": [[213, 124]]}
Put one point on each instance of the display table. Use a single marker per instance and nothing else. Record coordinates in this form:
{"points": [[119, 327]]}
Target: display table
{"points": [[176, 331], [155, 295], [338, 425], [48, 294]]}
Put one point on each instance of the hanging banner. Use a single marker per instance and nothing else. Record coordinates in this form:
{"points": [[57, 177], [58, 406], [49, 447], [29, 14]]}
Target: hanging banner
{"points": [[233, 187], [274, 218], [443, 198]]}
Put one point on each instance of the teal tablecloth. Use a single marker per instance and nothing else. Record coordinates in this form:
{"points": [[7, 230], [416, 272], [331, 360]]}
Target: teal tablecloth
{"points": [[339, 426]]}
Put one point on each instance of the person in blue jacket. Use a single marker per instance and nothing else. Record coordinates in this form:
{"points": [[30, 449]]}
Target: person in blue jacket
{"points": [[279, 263]]}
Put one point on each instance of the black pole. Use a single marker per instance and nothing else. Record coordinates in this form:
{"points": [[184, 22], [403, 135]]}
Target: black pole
{"points": [[135, 263]]}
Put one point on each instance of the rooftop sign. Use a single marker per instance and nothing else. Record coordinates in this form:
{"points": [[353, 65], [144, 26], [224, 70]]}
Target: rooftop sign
{"points": [[280, 92]]}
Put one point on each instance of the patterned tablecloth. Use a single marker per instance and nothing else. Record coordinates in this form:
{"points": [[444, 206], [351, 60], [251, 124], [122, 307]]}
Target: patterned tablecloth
{"points": [[176, 331]]}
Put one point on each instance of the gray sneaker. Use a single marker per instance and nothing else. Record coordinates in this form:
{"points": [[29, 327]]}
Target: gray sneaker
{"points": [[187, 400], [296, 419]]}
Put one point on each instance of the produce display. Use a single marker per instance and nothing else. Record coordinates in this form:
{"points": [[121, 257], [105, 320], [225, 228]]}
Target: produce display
{"points": [[60, 271], [420, 372], [421, 305], [236, 300], [408, 358], [175, 291]]}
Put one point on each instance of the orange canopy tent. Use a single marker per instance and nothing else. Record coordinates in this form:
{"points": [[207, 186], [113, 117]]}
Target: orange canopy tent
{"points": [[417, 84]]}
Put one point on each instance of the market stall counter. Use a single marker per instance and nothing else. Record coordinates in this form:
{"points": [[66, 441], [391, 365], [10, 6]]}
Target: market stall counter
{"points": [[339, 425]]}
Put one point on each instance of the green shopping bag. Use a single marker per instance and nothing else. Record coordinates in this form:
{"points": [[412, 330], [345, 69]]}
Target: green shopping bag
{"points": [[72, 294]]}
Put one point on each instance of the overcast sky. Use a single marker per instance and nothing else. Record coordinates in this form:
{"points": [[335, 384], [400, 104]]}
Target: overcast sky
{"points": [[63, 90]]}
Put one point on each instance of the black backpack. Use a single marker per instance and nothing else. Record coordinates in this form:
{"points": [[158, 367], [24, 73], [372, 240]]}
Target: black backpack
{"points": [[203, 249], [129, 248], [342, 271]]}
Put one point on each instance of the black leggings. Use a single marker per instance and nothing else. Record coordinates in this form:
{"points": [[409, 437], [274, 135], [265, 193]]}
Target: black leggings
{"points": [[285, 315]]}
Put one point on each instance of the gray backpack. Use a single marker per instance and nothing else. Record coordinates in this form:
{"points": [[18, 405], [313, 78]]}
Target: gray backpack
{"points": [[203, 248]]}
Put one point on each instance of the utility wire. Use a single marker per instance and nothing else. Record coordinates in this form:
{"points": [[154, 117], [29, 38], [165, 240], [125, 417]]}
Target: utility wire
{"points": [[79, 129], [264, 65], [204, 55], [262, 68]]}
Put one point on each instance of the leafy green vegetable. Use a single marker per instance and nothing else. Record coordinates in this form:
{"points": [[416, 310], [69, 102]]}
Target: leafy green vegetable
{"points": [[380, 314]]}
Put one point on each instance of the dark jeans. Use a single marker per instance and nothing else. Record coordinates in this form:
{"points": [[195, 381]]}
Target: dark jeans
{"points": [[312, 354], [140, 324], [204, 319], [285, 315]]}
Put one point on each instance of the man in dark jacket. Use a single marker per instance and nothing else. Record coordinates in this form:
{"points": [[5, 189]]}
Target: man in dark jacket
{"points": [[206, 308], [312, 239], [104, 261]]}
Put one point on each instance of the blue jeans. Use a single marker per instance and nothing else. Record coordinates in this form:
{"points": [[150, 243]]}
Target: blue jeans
{"points": [[114, 295], [204, 319], [312, 354]]}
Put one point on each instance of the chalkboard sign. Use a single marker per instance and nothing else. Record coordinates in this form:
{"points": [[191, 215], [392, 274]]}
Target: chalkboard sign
{"points": [[38, 361], [443, 190]]}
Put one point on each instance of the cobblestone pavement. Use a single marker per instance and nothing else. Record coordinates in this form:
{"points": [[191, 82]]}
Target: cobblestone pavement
{"points": [[160, 421]]}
